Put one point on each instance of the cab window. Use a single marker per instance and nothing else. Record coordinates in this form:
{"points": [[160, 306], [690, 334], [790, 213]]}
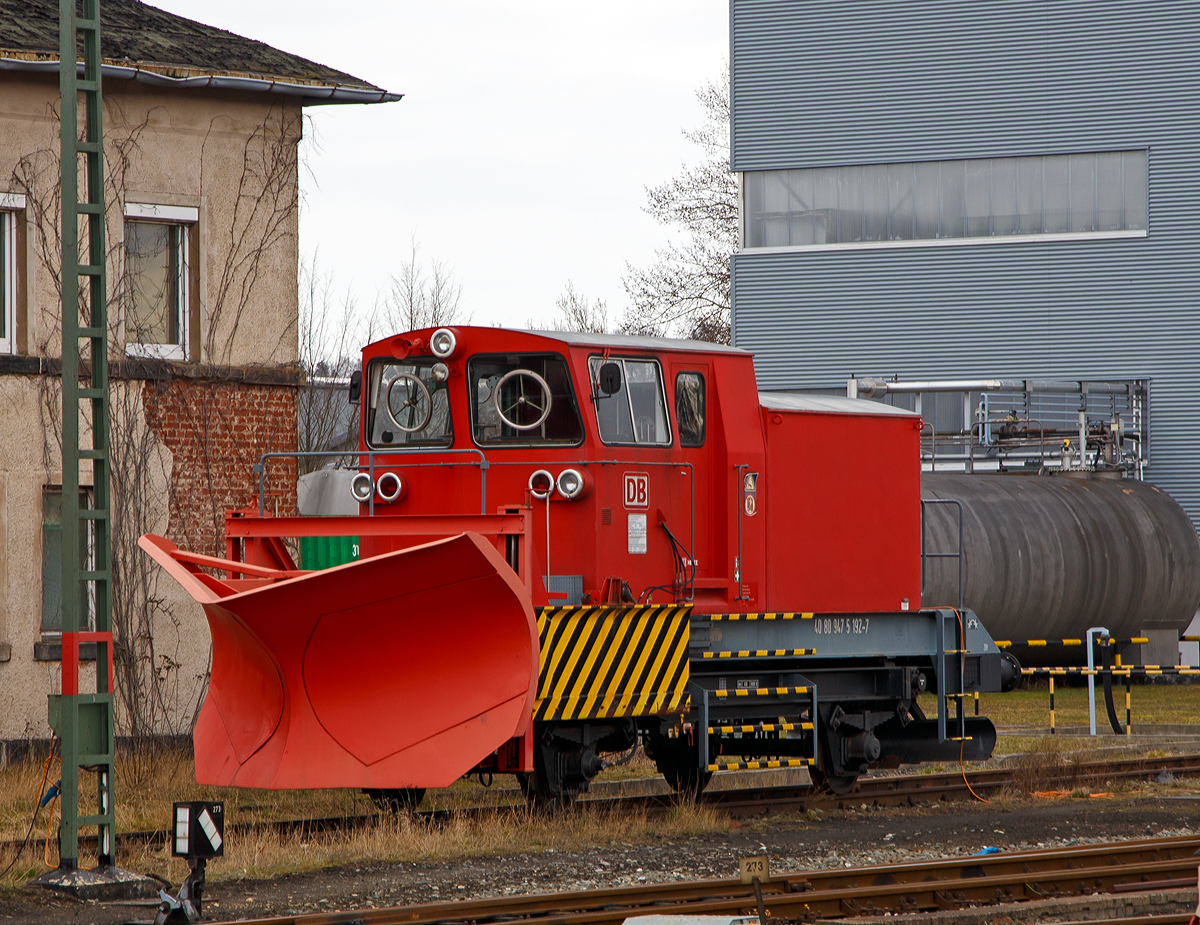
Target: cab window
{"points": [[523, 399], [406, 405], [689, 408], [636, 412]]}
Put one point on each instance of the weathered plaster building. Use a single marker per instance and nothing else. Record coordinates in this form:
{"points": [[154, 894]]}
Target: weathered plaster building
{"points": [[201, 132]]}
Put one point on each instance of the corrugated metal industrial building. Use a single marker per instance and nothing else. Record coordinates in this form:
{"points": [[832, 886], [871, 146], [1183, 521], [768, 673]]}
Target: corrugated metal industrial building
{"points": [[1037, 213]]}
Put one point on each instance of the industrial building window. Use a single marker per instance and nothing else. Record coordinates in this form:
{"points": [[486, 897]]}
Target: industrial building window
{"points": [[689, 408], [52, 524], [157, 280], [9, 203], [1095, 194]]}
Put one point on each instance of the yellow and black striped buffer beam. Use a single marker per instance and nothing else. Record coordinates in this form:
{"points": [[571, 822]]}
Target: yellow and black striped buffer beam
{"points": [[608, 661]]}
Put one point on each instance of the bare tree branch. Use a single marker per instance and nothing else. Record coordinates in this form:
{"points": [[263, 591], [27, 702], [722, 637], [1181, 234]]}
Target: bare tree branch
{"points": [[686, 290], [575, 313], [420, 298]]}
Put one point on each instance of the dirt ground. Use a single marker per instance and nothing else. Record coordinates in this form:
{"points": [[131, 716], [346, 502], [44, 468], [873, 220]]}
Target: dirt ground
{"points": [[837, 838]]}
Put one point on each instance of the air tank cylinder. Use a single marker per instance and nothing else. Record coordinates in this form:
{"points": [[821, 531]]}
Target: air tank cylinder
{"points": [[1046, 557]]}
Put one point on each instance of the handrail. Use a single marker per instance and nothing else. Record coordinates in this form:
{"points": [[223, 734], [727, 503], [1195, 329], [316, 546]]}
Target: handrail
{"points": [[260, 468], [943, 555]]}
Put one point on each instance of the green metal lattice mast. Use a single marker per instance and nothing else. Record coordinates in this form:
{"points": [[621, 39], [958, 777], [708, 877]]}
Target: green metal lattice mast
{"points": [[84, 721]]}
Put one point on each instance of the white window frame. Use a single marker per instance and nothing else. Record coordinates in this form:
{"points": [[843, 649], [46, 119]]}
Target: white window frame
{"points": [[185, 218], [10, 204]]}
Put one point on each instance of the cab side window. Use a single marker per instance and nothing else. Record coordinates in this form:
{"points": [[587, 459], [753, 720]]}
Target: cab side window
{"points": [[689, 408], [635, 412]]}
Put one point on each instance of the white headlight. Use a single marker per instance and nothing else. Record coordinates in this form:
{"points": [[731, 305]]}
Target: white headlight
{"points": [[440, 372], [443, 343], [360, 487], [570, 484], [541, 484]]}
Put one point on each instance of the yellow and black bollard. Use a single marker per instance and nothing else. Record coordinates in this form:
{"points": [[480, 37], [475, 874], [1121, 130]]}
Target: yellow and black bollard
{"points": [[1052, 731], [1128, 705]]}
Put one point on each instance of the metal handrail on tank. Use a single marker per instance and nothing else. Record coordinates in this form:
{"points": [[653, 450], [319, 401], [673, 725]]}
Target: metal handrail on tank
{"points": [[260, 468], [1076, 401], [925, 554]]}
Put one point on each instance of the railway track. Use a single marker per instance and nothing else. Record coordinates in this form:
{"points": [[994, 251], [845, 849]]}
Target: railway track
{"points": [[812, 895], [874, 791]]}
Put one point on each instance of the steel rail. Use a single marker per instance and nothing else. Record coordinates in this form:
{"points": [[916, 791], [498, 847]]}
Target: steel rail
{"points": [[874, 791], [952, 883]]}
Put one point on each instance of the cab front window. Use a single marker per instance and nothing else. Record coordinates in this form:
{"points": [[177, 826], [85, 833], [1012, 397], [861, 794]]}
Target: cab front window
{"points": [[407, 405], [523, 399]]}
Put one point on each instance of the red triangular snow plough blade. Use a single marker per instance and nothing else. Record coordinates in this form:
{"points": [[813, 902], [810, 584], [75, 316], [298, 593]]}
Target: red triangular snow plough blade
{"points": [[402, 670]]}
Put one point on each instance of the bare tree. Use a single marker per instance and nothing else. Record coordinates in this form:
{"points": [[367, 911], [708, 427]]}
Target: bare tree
{"points": [[420, 298], [576, 313], [330, 337], [686, 291]]}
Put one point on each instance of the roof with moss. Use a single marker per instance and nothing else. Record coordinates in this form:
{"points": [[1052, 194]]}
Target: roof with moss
{"points": [[139, 39]]}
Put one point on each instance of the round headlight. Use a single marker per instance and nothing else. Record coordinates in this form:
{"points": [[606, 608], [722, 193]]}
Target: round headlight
{"points": [[440, 372], [443, 343], [389, 486], [541, 484], [570, 484], [360, 487]]}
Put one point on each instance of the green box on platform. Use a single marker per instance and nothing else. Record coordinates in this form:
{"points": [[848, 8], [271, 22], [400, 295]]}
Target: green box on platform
{"points": [[317, 552]]}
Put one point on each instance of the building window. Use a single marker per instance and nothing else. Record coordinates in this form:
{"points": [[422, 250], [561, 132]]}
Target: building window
{"points": [[10, 203], [689, 408], [52, 525], [157, 280], [1092, 195]]}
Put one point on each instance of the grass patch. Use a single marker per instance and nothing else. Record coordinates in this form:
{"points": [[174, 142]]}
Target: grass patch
{"points": [[147, 784], [1152, 704]]}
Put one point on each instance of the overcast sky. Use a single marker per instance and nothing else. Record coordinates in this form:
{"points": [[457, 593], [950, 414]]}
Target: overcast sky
{"points": [[520, 153]]}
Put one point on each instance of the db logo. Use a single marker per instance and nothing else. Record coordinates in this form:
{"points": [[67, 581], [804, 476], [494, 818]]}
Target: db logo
{"points": [[637, 490]]}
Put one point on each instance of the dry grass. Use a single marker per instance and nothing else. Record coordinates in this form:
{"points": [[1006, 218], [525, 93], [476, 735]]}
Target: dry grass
{"points": [[149, 782], [1048, 765]]}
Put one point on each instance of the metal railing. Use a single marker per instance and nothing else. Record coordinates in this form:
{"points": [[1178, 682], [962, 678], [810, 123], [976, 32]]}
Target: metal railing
{"points": [[926, 554], [973, 425], [260, 468]]}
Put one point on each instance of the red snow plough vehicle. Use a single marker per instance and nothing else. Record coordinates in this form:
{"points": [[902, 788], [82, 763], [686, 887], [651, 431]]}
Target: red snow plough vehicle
{"points": [[574, 544]]}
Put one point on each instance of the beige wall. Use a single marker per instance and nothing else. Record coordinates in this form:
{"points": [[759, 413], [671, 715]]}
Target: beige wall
{"points": [[175, 148], [165, 147]]}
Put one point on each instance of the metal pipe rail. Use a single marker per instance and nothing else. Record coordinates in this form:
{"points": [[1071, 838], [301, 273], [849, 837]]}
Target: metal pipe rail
{"points": [[899, 790], [830, 893], [260, 467]]}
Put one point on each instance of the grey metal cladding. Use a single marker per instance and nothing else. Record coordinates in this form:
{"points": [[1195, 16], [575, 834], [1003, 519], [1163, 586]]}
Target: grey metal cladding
{"points": [[863, 81], [859, 81]]}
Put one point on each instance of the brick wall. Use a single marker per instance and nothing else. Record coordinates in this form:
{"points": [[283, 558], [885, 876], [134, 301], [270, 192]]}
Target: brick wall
{"points": [[217, 431]]}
